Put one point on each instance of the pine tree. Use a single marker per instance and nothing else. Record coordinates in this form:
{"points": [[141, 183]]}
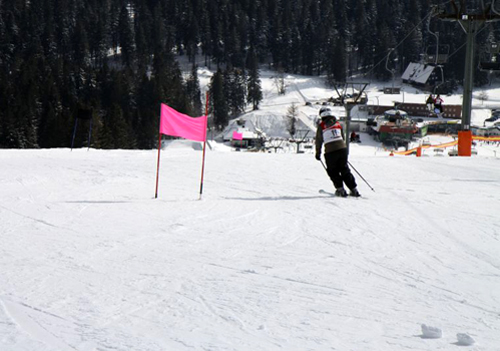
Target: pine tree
{"points": [[99, 37], [218, 98], [386, 43], [254, 90], [54, 56], [361, 33], [193, 91], [235, 88], [336, 68], [146, 115], [205, 36], [80, 44], [126, 39], [142, 26]]}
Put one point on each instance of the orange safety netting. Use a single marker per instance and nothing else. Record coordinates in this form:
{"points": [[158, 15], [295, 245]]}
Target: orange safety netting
{"points": [[497, 138], [451, 143], [444, 145]]}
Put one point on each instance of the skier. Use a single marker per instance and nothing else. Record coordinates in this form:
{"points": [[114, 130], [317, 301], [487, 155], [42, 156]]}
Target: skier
{"points": [[430, 103], [330, 133], [438, 105]]}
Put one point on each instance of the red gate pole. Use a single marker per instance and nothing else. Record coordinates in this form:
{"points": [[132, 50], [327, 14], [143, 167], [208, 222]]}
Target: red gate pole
{"points": [[158, 164], [204, 146]]}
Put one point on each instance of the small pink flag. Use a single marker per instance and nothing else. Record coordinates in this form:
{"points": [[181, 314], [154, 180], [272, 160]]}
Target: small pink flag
{"points": [[237, 136], [178, 124]]}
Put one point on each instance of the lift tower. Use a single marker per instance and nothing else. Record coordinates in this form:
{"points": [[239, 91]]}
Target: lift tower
{"points": [[349, 101], [471, 23]]}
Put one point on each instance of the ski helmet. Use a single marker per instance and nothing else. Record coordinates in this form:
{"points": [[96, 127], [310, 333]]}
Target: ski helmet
{"points": [[327, 112], [323, 108]]}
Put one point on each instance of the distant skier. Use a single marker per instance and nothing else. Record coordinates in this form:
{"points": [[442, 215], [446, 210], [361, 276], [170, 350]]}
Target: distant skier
{"points": [[438, 105], [330, 133], [430, 103]]}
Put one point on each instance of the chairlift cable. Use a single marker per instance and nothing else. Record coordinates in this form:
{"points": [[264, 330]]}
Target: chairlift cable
{"points": [[406, 37], [449, 56], [401, 42], [461, 46], [493, 8], [437, 39]]}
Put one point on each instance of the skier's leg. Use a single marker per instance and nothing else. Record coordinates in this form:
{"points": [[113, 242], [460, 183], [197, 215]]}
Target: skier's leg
{"points": [[345, 172], [333, 171]]}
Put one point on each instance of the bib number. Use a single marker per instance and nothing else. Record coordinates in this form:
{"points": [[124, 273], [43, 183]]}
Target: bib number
{"points": [[330, 135]]}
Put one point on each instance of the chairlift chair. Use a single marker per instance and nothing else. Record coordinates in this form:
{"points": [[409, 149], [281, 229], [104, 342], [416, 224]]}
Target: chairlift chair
{"points": [[437, 55], [489, 59], [494, 48], [393, 89]]}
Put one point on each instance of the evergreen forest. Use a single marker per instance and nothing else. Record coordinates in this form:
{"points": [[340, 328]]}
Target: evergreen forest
{"points": [[107, 64]]}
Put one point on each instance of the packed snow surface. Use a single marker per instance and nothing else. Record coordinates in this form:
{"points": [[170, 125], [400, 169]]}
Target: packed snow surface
{"points": [[90, 261]]}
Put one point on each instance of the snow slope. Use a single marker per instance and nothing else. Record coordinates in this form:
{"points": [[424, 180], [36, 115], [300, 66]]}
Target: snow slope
{"points": [[91, 261]]}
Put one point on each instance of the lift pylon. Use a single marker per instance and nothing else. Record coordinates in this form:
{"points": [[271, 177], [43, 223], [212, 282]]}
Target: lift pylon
{"points": [[471, 23]]}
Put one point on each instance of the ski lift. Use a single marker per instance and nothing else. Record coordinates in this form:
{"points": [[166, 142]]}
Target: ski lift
{"points": [[393, 89], [489, 60], [437, 54]]}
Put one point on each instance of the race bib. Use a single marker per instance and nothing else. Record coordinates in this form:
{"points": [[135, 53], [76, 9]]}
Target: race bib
{"points": [[330, 135]]}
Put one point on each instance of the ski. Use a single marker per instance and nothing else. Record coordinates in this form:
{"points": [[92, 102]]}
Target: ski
{"points": [[329, 193], [324, 192]]}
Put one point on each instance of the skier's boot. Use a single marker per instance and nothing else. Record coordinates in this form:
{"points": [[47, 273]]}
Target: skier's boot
{"points": [[354, 192], [341, 192]]}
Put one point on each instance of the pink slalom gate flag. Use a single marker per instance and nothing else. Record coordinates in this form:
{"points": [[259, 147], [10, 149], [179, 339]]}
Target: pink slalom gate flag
{"points": [[178, 124], [237, 136]]}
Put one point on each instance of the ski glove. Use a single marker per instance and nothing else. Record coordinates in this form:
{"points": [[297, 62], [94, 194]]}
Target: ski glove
{"points": [[318, 157]]}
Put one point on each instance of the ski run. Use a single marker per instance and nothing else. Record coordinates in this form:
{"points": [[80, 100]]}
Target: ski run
{"points": [[90, 261]]}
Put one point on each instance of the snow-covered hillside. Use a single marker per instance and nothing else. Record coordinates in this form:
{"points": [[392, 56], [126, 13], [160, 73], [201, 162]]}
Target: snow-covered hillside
{"points": [[90, 261], [308, 94]]}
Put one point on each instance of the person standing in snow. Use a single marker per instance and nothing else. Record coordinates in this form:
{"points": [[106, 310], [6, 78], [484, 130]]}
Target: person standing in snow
{"points": [[331, 134]]}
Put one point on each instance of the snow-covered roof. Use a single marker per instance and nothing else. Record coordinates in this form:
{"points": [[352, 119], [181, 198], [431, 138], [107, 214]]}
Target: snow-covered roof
{"points": [[393, 112], [417, 73], [244, 127]]}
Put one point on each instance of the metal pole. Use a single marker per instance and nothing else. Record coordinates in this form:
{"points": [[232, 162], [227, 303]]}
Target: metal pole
{"points": [[470, 29], [203, 167], [360, 175], [348, 108], [349, 163], [90, 135], [323, 165], [74, 132], [204, 144], [158, 165]]}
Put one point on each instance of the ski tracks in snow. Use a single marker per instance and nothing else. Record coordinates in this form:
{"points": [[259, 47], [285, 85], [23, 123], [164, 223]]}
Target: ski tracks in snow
{"points": [[40, 326], [263, 262]]}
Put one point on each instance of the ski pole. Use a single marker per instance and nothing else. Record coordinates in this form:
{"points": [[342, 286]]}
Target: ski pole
{"points": [[323, 165], [359, 175]]}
